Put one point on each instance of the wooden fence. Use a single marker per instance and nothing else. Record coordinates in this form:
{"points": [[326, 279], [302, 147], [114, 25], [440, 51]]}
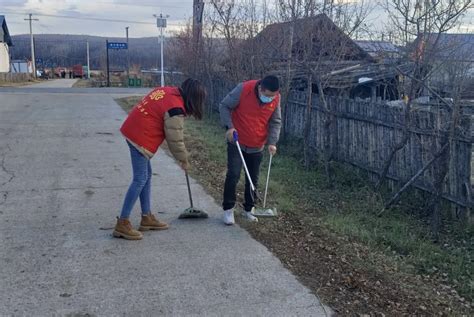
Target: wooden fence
{"points": [[14, 77], [363, 134], [217, 90]]}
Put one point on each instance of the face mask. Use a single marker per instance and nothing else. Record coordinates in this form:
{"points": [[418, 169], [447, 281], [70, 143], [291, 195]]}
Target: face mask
{"points": [[265, 99]]}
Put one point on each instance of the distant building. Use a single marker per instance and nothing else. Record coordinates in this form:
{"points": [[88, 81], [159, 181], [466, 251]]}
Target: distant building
{"points": [[347, 68], [380, 50], [5, 44], [21, 66]]}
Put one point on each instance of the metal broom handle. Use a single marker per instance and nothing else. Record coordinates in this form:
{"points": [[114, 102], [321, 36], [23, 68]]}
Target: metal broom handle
{"points": [[236, 140], [189, 189], [268, 178]]}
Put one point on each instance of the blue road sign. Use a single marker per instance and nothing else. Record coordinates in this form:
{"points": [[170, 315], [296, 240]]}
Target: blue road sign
{"points": [[117, 46]]}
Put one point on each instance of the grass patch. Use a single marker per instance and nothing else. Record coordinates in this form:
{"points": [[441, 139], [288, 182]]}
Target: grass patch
{"points": [[19, 84], [350, 210], [82, 83], [332, 239], [127, 103]]}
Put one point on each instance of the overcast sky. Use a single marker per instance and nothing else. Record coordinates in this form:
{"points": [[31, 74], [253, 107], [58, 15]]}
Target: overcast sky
{"points": [[128, 10]]}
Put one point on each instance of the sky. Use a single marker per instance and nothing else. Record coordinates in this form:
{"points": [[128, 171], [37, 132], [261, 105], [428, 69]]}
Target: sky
{"points": [[69, 16], [136, 11]]}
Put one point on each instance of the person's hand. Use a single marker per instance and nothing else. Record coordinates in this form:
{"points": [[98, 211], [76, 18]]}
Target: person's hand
{"points": [[230, 135], [184, 165], [272, 149]]}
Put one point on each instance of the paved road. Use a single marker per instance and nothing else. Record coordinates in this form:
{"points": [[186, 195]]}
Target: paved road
{"points": [[53, 83], [75, 91], [64, 171]]}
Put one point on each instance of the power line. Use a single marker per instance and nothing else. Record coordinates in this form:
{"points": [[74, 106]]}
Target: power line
{"points": [[90, 18]]}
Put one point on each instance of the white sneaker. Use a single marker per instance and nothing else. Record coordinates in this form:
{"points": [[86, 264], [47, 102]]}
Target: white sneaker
{"points": [[249, 215], [229, 217]]}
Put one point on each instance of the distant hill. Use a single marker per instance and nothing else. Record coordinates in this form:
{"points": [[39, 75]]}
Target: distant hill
{"points": [[69, 50]]}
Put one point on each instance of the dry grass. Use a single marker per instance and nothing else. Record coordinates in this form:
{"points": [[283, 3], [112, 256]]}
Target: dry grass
{"points": [[18, 84], [82, 83]]}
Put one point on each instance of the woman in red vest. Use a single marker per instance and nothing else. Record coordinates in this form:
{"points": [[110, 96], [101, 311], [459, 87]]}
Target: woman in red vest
{"points": [[158, 116], [253, 110]]}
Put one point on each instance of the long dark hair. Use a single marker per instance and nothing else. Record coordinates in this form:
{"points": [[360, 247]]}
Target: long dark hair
{"points": [[194, 94]]}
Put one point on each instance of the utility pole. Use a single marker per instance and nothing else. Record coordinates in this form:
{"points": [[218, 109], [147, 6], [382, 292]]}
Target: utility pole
{"points": [[161, 24], [198, 9], [161, 54], [128, 56], [88, 62], [108, 69], [33, 60]]}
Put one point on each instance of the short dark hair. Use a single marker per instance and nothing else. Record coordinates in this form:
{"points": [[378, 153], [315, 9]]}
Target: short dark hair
{"points": [[194, 95], [271, 83]]}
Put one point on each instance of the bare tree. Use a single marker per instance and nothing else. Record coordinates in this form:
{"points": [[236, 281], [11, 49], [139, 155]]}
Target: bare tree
{"points": [[316, 51]]}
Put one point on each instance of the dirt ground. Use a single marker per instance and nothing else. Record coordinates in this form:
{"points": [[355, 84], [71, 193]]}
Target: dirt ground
{"points": [[346, 275]]}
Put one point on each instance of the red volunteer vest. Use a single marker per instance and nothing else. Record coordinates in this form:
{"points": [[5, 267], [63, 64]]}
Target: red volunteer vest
{"points": [[144, 125], [250, 117]]}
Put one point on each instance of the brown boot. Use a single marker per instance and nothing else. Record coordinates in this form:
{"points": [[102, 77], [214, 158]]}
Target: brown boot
{"points": [[149, 222], [124, 229]]}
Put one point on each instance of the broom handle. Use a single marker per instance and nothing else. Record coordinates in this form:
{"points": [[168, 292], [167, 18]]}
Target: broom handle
{"points": [[236, 140], [189, 189], [268, 178]]}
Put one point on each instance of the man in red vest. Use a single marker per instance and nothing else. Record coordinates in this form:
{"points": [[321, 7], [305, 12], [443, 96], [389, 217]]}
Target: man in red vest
{"points": [[252, 109]]}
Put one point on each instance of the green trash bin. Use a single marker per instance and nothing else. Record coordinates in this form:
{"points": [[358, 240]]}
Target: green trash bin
{"points": [[138, 82], [131, 82]]}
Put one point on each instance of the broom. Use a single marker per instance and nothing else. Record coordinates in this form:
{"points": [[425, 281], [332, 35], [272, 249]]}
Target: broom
{"points": [[260, 212], [266, 212], [191, 212]]}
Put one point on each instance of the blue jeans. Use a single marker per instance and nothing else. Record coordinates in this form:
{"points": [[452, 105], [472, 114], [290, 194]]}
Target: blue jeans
{"points": [[140, 186]]}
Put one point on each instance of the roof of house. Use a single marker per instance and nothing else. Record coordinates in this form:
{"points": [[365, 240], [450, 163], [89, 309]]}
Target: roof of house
{"points": [[452, 46], [6, 38], [313, 38], [377, 46], [347, 74]]}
